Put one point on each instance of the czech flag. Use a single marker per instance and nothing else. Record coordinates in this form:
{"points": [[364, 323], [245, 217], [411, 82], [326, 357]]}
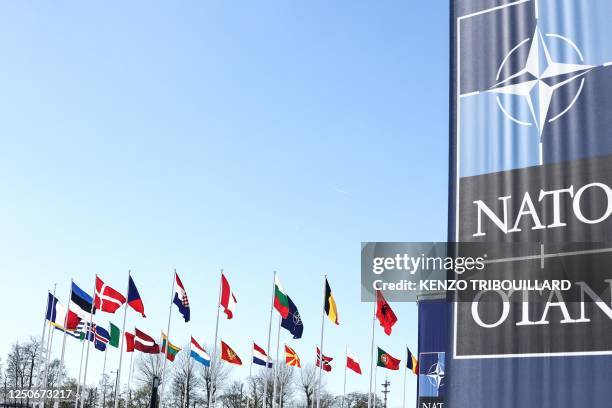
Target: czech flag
{"points": [[199, 354], [134, 300]]}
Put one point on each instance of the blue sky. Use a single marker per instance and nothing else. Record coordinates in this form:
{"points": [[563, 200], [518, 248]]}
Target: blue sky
{"points": [[249, 136]]}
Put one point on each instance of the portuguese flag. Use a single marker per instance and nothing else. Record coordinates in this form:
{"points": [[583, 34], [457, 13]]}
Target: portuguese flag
{"points": [[281, 300], [387, 361], [169, 349]]}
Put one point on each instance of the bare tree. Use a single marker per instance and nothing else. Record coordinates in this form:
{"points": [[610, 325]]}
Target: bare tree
{"points": [[185, 381], [235, 395], [358, 400], [214, 376], [307, 382]]}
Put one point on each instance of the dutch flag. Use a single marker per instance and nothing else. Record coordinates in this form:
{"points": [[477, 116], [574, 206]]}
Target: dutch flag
{"points": [[260, 357], [199, 354]]}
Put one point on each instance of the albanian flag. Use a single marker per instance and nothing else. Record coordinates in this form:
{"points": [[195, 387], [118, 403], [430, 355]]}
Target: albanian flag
{"points": [[387, 360], [384, 313], [229, 355]]}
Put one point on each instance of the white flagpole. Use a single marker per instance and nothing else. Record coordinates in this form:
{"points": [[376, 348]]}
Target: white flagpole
{"points": [[251, 365], [405, 373], [165, 352], [344, 387], [59, 374], [213, 387], [41, 357], [103, 379], [51, 333], [188, 374], [76, 401], [375, 372], [265, 393], [49, 343], [372, 358], [321, 345], [88, 329], [129, 381], [276, 366], [118, 378], [280, 396]]}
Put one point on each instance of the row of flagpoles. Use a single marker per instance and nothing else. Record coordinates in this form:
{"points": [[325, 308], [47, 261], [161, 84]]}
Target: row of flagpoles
{"points": [[76, 320]]}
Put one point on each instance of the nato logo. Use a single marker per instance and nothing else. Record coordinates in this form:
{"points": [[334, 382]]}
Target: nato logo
{"points": [[534, 84], [432, 377]]}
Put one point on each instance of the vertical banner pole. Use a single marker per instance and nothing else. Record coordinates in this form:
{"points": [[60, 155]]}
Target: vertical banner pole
{"points": [[372, 358], [265, 393], [165, 351], [87, 331], [61, 366], [118, 380], [321, 346], [213, 373]]}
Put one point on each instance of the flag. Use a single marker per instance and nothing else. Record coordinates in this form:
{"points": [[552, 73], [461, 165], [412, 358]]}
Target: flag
{"points": [[76, 333], [384, 313], [281, 300], [106, 298], [199, 354], [228, 300], [171, 350], [180, 298], [352, 362], [229, 355], [326, 361], [142, 342], [81, 302], [330, 304], [291, 357], [96, 334], [260, 357], [386, 360], [115, 335], [58, 314], [293, 321], [412, 363], [133, 298]]}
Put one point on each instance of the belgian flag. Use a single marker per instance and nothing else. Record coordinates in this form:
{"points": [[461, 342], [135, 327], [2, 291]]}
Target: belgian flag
{"points": [[330, 304]]}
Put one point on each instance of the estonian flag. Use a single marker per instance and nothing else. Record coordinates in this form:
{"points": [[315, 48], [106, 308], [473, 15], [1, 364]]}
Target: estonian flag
{"points": [[81, 302]]}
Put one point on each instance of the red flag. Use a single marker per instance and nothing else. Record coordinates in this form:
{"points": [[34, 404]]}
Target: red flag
{"points": [[326, 361], [129, 342], [384, 313], [353, 363], [229, 355], [145, 343], [106, 298], [228, 300]]}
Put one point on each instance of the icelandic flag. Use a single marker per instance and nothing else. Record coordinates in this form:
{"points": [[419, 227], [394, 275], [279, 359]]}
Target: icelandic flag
{"points": [[260, 357], [199, 354], [180, 297], [133, 298]]}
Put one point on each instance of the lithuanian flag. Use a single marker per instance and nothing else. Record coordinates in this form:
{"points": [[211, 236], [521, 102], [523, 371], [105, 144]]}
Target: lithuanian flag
{"points": [[169, 349], [330, 304]]}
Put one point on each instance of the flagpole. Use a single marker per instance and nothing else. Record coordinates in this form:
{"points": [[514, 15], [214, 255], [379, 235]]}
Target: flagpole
{"points": [[103, 379], [265, 394], [344, 388], [212, 371], [51, 333], [129, 381], [88, 329], [118, 379], [276, 365], [405, 373], [49, 337], [41, 360], [372, 359], [165, 351], [76, 401], [375, 372], [321, 345], [251, 365], [59, 374], [188, 373]]}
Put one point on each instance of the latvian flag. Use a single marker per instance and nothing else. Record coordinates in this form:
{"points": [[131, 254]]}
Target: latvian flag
{"points": [[180, 297], [141, 341], [106, 298], [199, 354], [59, 316], [260, 357]]}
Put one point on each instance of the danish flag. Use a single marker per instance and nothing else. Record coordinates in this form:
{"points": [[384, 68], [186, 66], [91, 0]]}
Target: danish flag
{"points": [[106, 298]]}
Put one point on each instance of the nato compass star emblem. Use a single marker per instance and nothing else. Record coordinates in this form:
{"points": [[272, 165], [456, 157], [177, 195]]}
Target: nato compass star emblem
{"points": [[538, 80], [436, 375]]}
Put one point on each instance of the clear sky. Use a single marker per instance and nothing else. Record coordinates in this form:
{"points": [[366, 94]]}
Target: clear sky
{"points": [[250, 136]]}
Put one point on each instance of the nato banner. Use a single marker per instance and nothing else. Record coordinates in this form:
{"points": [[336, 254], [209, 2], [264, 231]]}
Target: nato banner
{"points": [[531, 161]]}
